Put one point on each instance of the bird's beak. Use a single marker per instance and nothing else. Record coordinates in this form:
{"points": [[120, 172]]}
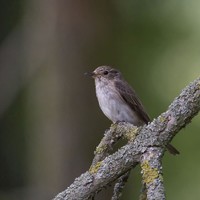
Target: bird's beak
{"points": [[92, 74]]}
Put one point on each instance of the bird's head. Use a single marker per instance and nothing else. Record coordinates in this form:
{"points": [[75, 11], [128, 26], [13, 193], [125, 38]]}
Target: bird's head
{"points": [[105, 72]]}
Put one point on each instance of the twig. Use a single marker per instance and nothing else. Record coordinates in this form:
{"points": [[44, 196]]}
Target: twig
{"points": [[119, 186]]}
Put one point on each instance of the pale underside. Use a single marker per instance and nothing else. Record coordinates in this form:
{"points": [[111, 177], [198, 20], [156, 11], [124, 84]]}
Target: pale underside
{"points": [[114, 106]]}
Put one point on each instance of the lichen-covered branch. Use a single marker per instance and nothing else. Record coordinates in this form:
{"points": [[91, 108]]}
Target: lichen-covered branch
{"points": [[152, 173], [119, 186], [105, 148], [111, 137], [155, 135]]}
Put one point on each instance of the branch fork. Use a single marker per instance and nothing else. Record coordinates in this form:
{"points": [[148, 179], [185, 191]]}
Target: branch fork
{"points": [[146, 146]]}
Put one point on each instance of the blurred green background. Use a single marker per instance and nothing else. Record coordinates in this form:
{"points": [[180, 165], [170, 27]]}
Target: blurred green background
{"points": [[50, 122]]}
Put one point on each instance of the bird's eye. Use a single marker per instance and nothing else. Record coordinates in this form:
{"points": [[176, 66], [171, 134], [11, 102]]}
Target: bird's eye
{"points": [[105, 72]]}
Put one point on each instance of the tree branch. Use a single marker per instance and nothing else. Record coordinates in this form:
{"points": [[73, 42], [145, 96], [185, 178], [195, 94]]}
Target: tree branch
{"points": [[119, 186], [152, 173], [151, 138]]}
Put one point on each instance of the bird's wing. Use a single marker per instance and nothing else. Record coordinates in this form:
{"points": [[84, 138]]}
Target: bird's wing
{"points": [[131, 98]]}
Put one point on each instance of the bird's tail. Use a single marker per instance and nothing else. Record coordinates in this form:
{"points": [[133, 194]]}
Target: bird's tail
{"points": [[172, 149]]}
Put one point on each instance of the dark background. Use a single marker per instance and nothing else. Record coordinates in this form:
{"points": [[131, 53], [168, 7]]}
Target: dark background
{"points": [[50, 122]]}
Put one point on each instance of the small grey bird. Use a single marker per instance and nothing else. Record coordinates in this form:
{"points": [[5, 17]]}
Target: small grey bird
{"points": [[118, 100]]}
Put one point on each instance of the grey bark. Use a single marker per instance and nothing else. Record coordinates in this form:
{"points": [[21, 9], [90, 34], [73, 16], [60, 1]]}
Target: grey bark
{"points": [[147, 149]]}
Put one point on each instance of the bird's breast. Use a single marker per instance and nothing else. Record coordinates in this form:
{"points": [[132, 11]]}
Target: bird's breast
{"points": [[113, 105]]}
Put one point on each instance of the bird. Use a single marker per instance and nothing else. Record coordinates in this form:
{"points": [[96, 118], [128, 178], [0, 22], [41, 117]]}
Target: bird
{"points": [[118, 100]]}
